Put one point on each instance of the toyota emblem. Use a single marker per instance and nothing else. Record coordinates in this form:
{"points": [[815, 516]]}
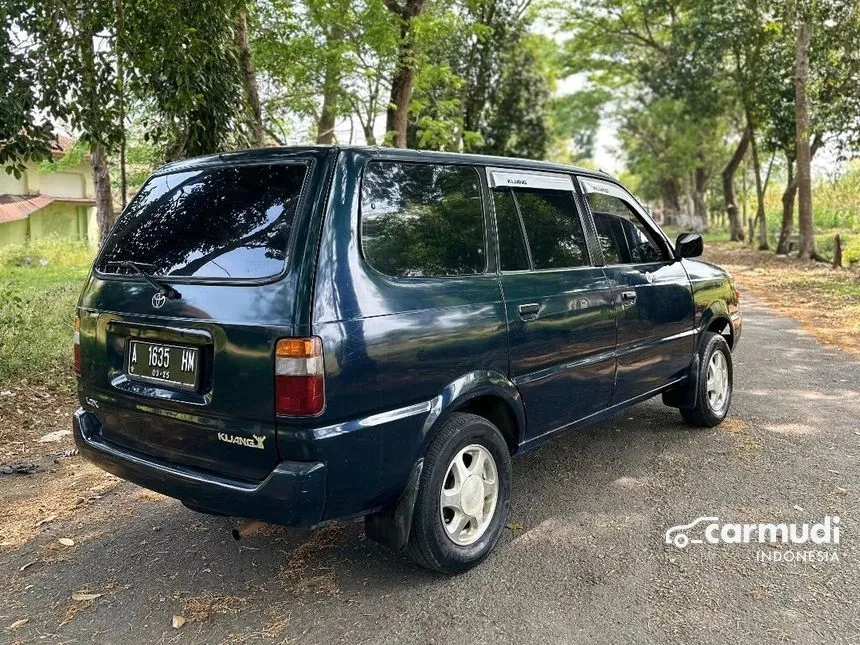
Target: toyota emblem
{"points": [[158, 300]]}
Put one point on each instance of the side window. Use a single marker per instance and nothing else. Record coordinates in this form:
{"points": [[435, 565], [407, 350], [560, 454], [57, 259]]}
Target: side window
{"points": [[512, 246], [553, 228], [623, 237], [422, 220]]}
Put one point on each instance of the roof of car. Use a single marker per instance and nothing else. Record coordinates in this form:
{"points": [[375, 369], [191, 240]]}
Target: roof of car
{"points": [[285, 152]]}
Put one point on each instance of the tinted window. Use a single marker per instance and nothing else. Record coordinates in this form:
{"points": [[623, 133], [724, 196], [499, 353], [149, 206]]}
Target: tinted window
{"points": [[512, 247], [420, 220], [623, 237], [553, 228], [214, 223]]}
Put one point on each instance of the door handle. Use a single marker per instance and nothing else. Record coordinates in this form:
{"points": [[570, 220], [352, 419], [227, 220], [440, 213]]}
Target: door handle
{"points": [[530, 309], [628, 298]]}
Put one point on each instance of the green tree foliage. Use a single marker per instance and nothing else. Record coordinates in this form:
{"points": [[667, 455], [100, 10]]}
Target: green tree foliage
{"points": [[517, 123], [484, 81], [699, 85], [184, 68], [177, 60], [436, 111], [695, 88], [180, 61], [575, 119], [70, 47], [25, 133], [659, 71], [324, 59]]}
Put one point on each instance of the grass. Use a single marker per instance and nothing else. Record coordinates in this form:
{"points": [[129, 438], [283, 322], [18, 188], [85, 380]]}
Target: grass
{"points": [[824, 238], [41, 284], [824, 299], [713, 234], [836, 210]]}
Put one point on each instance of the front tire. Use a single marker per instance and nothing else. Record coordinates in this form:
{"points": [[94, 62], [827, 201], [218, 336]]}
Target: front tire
{"points": [[715, 384], [463, 498]]}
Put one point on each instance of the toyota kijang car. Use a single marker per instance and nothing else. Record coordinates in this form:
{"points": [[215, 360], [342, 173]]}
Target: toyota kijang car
{"points": [[304, 335]]}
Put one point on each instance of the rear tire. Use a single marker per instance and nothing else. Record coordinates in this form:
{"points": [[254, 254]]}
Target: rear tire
{"points": [[714, 395], [463, 496]]}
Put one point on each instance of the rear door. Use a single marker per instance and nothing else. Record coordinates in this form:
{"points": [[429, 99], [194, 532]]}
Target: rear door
{"points": [[190, 380], [561, 323], [651, 289]]}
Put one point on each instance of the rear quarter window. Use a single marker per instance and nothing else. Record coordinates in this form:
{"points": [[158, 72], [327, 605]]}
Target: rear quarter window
{"points": [[220, 223], [422, 220]]}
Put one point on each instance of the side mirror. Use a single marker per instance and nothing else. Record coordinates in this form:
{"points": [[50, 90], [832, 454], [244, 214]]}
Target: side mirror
{"points": [[689, 245]]}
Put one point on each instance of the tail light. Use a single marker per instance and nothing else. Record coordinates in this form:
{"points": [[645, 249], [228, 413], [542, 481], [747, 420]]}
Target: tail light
{"points": [[77, 346], [299, 377]]}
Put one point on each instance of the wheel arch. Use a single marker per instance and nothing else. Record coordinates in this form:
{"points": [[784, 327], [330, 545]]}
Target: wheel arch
{"points": [[486, 393], [716, 319]]}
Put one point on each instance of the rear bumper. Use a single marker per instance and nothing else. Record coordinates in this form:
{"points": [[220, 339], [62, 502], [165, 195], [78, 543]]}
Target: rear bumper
{"points": [[293, 494]]}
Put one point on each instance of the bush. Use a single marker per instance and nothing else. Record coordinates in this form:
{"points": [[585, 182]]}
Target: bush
{"points": [[47, 251], [851, 249], [36, 326], [37, 308]]}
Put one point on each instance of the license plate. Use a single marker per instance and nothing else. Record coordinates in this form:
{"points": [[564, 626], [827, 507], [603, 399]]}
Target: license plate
{"points": [[173, 365]]}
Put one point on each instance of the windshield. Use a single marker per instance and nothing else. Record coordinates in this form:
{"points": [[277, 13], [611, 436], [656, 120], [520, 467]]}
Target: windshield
{"points": [[229, 223]]}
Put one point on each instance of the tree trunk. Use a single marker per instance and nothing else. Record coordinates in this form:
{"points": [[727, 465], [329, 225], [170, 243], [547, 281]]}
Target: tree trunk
{"points": [[736, 226], [788, 197], [397, 116], [804, 157], [331, 85], [700, 207], [837, 252], [249, 80], [369, 136], [759, 189], [326, 123], [744, 217], [123, 172], [104, 200], [120, 90], [671, 197]]}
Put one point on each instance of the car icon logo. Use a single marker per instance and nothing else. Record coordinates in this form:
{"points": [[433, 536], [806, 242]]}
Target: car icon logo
{"points": [[158, 300], [677, 535]]}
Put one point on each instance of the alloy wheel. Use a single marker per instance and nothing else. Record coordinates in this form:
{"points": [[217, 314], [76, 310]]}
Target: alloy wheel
{"points": [[469, 494], [718, 382]]}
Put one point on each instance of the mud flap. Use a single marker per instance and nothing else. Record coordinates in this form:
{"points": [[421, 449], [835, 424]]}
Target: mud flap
{"points": [[685, 394], [391, 526]]}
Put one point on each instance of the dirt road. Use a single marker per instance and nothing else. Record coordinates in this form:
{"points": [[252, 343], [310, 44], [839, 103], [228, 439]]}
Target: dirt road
{"points": [[583, 559]]}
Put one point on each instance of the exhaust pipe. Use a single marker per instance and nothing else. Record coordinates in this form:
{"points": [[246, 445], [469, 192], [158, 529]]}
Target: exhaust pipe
{"points": [[246, 528]]}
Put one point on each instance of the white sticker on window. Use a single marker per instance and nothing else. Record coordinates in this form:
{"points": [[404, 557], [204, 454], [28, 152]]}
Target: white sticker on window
{"points": [[603, 188], [501, 178]]}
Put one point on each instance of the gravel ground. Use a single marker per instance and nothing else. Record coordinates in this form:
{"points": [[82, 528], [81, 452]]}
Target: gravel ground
{"points": [[583, 559]]}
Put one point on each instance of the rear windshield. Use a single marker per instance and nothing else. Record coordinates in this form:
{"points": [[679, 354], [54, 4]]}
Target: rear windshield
{"points": [[228, 223]]}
